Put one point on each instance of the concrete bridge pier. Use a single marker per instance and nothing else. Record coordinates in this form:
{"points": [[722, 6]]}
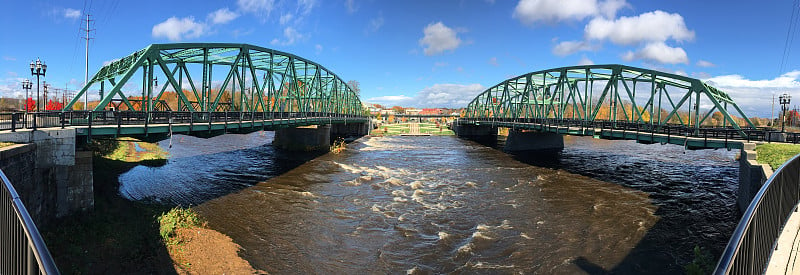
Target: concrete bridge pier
{"points": [[480, 133], [306, 138], [351, 129], [520, 141]]}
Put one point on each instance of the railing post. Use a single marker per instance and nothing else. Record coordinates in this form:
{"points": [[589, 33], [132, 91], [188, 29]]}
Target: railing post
{"points": [[13, 122], [89, 133]]}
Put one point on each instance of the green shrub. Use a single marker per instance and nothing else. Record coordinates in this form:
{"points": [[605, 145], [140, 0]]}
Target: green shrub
{"points": [[177, 218]]}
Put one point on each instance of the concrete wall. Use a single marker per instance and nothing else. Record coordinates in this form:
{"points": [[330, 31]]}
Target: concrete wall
{"points": [[311, 138], [51, 178], [533, 141], [752, 176]]}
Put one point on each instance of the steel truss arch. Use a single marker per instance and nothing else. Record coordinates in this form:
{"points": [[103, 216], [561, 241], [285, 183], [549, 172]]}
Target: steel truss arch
{"points": [[256, 79], [608, 92]]}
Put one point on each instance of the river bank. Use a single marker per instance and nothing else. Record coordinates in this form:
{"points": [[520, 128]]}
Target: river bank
{"points": [[122, 236]]}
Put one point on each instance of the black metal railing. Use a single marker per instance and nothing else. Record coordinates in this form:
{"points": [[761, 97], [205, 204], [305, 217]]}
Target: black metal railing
{"points": [[754, 239], [31, 120], [22, 250]]}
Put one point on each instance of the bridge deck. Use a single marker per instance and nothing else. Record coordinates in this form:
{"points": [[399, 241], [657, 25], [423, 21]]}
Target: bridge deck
{"points": [[639, 136], [162, 128]]}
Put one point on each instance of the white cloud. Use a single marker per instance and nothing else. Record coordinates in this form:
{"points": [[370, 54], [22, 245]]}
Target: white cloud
{"points": [[755, 96], [291, 36], [285, 18], [704, 64], [222, 16], [438, 95], [72, 13], [110, 61], [585, 61], [658, 52], [176, 29], [609, 8], [318, 48], [305, 6], [375, 24], [493, 61], [350, 5], [656, 26], [438, 39], [551, 11], [569, 47], [256, 6], [9, 58]]}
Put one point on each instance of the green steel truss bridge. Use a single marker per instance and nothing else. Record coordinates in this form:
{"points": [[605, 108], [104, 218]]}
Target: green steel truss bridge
{"points": [[205, 87], [616, 102]]}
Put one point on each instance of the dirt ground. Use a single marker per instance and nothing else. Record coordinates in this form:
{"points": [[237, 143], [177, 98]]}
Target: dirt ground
{"points": [[205, 251]]}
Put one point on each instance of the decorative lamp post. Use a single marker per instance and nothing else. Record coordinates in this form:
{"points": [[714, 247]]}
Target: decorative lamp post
{"points": [[784, 100], [38, 68], [26, 85]]}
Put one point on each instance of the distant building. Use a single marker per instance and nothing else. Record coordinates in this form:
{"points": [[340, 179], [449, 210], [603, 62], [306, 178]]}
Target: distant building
{"points": [[413, 111], [387, 112], [431, 111]]}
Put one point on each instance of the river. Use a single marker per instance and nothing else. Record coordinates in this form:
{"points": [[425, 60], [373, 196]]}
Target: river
{"points": [[424, 205]]}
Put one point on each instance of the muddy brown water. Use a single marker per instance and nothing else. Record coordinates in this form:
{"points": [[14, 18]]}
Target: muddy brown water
{"points": [[443, 204]]}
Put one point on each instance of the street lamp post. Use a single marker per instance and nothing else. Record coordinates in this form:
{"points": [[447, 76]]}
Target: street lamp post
{"points": [[26, 85], [38, 68], [784, 100]]}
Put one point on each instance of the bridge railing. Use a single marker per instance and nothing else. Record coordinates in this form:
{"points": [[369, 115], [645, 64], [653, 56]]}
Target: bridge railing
{"points": [[751, 134], [34, 120], [22, 249], [754, 239]]}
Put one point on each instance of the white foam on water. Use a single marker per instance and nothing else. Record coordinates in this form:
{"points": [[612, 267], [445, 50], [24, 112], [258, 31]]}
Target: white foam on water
{"points": [[308, 194], [482, 265], [443, 235], [399, 199], [418, 195], [525, 236], [394, 181], [416, 184], [350, 168], [471, 184], [413, 271], [399, 193]]}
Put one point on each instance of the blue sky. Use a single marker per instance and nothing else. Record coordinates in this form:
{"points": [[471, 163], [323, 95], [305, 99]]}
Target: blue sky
{"points": [[427, 53]]}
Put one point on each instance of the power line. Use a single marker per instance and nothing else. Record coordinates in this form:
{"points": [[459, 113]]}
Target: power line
{"points": [[790, 34]]}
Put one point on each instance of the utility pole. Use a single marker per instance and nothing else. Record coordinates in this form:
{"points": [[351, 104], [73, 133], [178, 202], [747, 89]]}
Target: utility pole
{"points": [[772, 116], [86, 76]]}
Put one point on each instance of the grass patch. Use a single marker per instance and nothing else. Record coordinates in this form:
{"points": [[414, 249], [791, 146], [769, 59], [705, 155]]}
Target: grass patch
{"points": [[128, 150], [176, 218], [776, 154], [404, 128]]}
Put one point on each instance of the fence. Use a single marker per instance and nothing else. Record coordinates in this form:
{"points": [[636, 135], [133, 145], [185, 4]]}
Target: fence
{"points": [[22, 250], [753, 241]]}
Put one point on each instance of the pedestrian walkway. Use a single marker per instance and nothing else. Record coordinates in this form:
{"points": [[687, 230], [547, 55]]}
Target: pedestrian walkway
{"points": [[784, 259]]}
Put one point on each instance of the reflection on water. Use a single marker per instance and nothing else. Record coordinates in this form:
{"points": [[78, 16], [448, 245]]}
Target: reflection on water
{"points": [[441, 204]]}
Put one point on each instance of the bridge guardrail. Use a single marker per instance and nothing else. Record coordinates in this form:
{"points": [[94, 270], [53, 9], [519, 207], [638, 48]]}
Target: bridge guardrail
{"points": [[753, 241], [727, 133], [23, 249], [34, 120]]}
